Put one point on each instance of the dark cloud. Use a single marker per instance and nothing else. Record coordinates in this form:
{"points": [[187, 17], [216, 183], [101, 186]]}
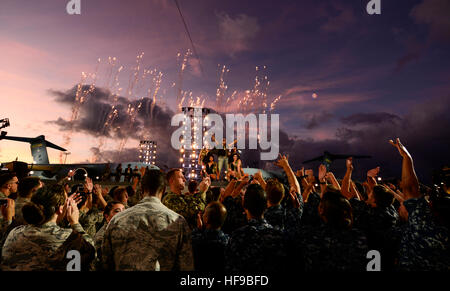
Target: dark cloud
{"points": [[435, 14], [318, 119], [423, 130], [370, 118], [151, 122]]}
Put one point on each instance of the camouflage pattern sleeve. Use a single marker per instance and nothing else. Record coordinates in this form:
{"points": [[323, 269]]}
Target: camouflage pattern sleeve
{"points": [[185, 260], [107, 258]]}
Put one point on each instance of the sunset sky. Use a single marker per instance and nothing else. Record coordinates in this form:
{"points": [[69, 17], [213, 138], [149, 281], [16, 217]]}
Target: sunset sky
{"points": [[376, 76]]}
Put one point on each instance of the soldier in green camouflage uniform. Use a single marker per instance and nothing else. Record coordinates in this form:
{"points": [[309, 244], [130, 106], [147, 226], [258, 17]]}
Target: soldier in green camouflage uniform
{"points": [[148, 236], [187, 206]]}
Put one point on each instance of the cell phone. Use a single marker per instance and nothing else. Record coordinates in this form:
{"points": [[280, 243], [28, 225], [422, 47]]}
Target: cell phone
{"points": [[3, 201]]}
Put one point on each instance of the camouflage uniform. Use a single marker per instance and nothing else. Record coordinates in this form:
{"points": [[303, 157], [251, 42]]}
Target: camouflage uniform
{"points": [[98, 240], [236, 217], [324, 248], [91, 220], [209, 249], [310, 214], [32, 248], [3, 223], [380, 226], [285, 219], [20, 202], [424, 245], [186, 205], [147, 236], [256, 247]]}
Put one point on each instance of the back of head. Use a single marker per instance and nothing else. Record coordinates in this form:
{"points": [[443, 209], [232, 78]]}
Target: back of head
{"points": [[216, 214], [27, 184], [255, 200], [383, 197], [213, 194], [153, 182], [336, 210], [274, 191], [44, 204], [130, 190], [111, 192], [5, 178]]}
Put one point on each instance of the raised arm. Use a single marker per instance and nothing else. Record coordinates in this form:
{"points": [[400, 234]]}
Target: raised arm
{"points": [[284, 164], [243, 182], [345, 189], [228, 190], [322, 180], [409, 183], [332, 179], [260, 179]]}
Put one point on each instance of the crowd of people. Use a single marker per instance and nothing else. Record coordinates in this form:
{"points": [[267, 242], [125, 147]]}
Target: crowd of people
{"points": [[306, 222]]}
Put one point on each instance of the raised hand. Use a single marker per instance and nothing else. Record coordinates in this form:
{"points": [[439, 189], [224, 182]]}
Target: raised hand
{"points": [[204, 184], [282, 161], [98, 190], [73, 213], [401, 149], [373, 172], [322, 172], [88, 184], [258, 175], [349, 164]]}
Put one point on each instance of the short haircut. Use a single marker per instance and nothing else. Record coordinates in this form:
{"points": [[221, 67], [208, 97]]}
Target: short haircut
{"points": [[5, 178], [336, 209], [213, 194], [171, 174], [192, 186], [27, 184], [153, 182], [255, 200], [216, 213], [274, 191], [383, 197]]}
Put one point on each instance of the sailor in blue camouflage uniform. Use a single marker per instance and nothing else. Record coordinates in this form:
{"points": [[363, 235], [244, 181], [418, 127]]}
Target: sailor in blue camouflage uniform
{"points": [[208, 240], [310, 215], [380, 222], [236, 217], [282, 217], [334, 245], [425, 244], [257, 246]]}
